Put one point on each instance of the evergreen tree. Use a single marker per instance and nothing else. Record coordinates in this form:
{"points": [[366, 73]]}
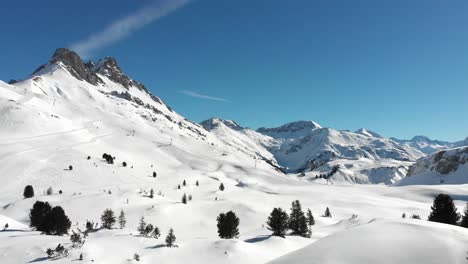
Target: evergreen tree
{"points": [[28, 192], [278, 222], [76, 239], [310, 218], [464, 221], [156, 233], [148, 229], [178, 186], [228, 225], [124, 164], [327, 213], [142, 226], [184, 199], [196, 183], [56, 222], [89, 226], [154, 174], [151, 193], [136, 257], [122, 220], [49, 191], [184, 183], [170, 238], [297, 220], [403, 215], [444, 210], [38, 214], [107, 219], [221, 187], [70, 167]]}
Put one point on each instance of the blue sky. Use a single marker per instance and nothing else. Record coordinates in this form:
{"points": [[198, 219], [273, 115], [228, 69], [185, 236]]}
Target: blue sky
{"points": [[399, 68]]}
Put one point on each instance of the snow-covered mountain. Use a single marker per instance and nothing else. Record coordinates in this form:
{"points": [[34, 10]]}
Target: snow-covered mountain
{"points": [[429, 146], [56, 124], [443, 167], [243, 139], [315, 152]]}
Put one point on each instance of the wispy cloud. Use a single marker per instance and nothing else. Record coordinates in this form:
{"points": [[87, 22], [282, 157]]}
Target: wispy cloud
{"points": [[125, 26], [203, 96]]}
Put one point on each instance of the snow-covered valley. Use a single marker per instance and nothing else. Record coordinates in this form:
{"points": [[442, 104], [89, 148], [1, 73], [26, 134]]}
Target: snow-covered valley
{"points": [[69, 113]]}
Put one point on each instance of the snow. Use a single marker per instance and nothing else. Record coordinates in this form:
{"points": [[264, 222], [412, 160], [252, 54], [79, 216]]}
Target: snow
{"points": [[52, 120], [385, 241]]}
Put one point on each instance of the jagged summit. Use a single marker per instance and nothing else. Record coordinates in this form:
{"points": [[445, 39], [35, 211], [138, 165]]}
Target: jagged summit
{"points": [[91, 70]]}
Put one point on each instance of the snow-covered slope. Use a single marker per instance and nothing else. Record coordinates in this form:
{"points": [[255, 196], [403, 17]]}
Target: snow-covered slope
{"points": [[383, 241], [443, 167], [243, 139]]}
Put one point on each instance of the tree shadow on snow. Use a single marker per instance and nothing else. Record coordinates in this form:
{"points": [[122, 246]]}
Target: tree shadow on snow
{"points": [[38, 259], [157, 246], [257, 239]]}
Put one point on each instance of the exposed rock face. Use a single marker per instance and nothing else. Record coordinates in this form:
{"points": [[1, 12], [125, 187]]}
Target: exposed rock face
{"points": [[72, 61], [442, 162], [109, 68]]}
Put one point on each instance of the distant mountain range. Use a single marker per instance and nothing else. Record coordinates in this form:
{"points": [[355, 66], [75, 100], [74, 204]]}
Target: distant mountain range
{"points": [[67, 93]]}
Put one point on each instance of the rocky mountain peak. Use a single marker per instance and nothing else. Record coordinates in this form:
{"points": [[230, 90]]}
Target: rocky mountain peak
{"points": [[214, 122]]}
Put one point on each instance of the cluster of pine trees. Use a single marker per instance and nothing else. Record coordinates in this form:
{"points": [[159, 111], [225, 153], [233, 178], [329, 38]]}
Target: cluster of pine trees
{"points": [[52, 221], [299, 223]]}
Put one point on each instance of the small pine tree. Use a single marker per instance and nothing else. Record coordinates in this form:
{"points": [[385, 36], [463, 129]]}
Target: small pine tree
{"points": [[278, 222], [298, 221], [464, 221], [81, 257], [184, 199], [221, 187], [76, 239], [178, 186], [70, 167], [151, 195], [28, 192], [156, 233], [142, 226], [50, 253], [196, 183], [148, 229], [444, 210], [136, 257], [228, 225], [190, 197], [107, 219], [154, 174], [122, 220], [327, 213], [89, 226], [310, 218], [170, 238], [184, 183], [403, 215], [124, 164], [89, 157], [49, 191]]}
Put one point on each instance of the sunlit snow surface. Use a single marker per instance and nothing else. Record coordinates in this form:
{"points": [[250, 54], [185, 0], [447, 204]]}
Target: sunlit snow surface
{"points": [[51, 122]]}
